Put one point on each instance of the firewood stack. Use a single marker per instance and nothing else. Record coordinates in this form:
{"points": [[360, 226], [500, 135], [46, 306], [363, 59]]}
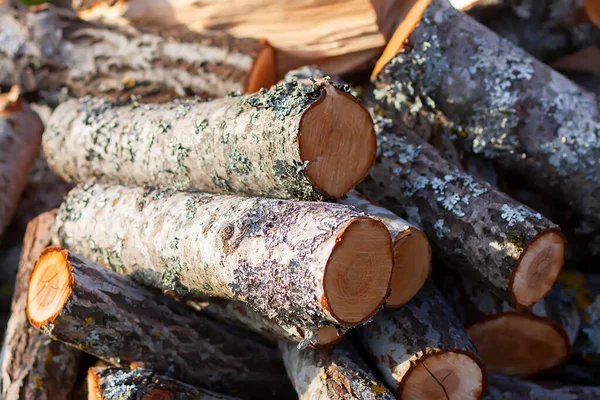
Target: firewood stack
{"points": [[202, 222]]}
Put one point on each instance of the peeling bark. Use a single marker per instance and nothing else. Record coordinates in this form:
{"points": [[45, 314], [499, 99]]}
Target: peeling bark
{"points": [[506, 388]]}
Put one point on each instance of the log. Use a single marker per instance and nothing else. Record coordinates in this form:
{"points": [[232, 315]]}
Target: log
{"points": [[33, 366], [327, 263], [507, 388], [458, 77], [307, 140], [111, 383], [94, 309], [412, 253], [474, 228], [335, 374], [422, 351], [20, 137], [51, 48]]}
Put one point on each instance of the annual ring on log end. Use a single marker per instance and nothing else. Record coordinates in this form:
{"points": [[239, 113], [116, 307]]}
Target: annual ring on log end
{"points": [[592, 10], [49, 287], [93, 386], [358, 272], [328, 336], [519, 344], [412, 266], [263, 73], [444, 375], [410, 16], [538, 267], [337, 139]]}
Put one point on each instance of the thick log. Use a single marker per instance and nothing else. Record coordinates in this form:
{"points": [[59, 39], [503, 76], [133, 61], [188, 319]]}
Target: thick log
{"points": [[20, 137], [507, 388], [51, 48], [412, 253], [422, 351], [327, 263], [335, 374], [480, 231], [306, 140], [94, 309], [457, 76], [111, 383], [33, 366]]}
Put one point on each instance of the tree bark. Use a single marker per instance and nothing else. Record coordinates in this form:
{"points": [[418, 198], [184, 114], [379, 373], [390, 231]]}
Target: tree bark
{"points": [[117, 320], [507, 388], [33, 366], [20, 137], [52, 48], [457, 76], [110, 383], [522, 252], [422, 350], [335, 374], [288, 260], [302, 140]]}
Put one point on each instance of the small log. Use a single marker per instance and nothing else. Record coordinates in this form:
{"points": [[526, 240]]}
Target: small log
{"points": [[507, 388], [422, 350], [522, 252], [20, 137], [87, 306], [456, 76], [33, 366], [51, 48], [110, 383], [335, 374], [303, 140], [412, 253], [327, 263]]}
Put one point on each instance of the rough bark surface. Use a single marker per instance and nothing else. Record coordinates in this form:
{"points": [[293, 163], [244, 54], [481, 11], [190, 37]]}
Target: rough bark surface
{"points": [[334, 374], [52, 48], [34, 367], [507, 388], [121, 322], [457, 212], [457, 76]]}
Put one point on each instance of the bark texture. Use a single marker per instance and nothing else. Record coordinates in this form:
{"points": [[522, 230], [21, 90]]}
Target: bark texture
{"points": [[335, 374], [457, 76], [121, 322], [33, 366], [507, 388], [457, 212]]}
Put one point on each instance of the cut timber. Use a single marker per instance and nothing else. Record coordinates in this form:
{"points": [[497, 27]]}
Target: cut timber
{"points": [[33, 366], [482, 232], [461, 79], [52, 48], [511, 342], [301, 264], [335, 374], [422, 350], [20, 137], [306, 140], [412, 253], [110, 383], [87, 306], [507, 388]]}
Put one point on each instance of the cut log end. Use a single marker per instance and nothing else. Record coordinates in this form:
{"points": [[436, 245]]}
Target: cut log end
{"points": [[264, 71], [443, 376], [411, 16], [358, 273], [49, 287], [592, 10], [328, 336], [337, 140], [518, 344], [93, 386], [10, 102], [538, 267], [412, 266]]}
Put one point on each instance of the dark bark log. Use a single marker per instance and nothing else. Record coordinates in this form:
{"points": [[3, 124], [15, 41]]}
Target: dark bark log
{"points": [[506, 388]]}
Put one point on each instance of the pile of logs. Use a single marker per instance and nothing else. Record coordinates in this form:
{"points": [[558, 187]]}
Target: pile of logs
{"points": [[185, 216]]}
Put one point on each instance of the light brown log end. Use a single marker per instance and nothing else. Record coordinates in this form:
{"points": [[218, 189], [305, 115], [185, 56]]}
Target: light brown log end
{"points": [[263, 73], [337, 139], [328, 336], [11, 102], [411, 16], [49, 287], [538, 267], [592, 10], [443, 376], [358, 272], [519, 344], [412, 266], [93, 386]]}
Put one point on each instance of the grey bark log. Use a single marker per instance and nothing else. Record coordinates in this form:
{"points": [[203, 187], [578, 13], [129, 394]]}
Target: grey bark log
{"points": [[506, 388], [495, 99]]}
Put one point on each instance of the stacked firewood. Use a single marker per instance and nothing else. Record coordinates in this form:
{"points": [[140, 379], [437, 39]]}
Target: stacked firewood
{"points": [[196, 220]]}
